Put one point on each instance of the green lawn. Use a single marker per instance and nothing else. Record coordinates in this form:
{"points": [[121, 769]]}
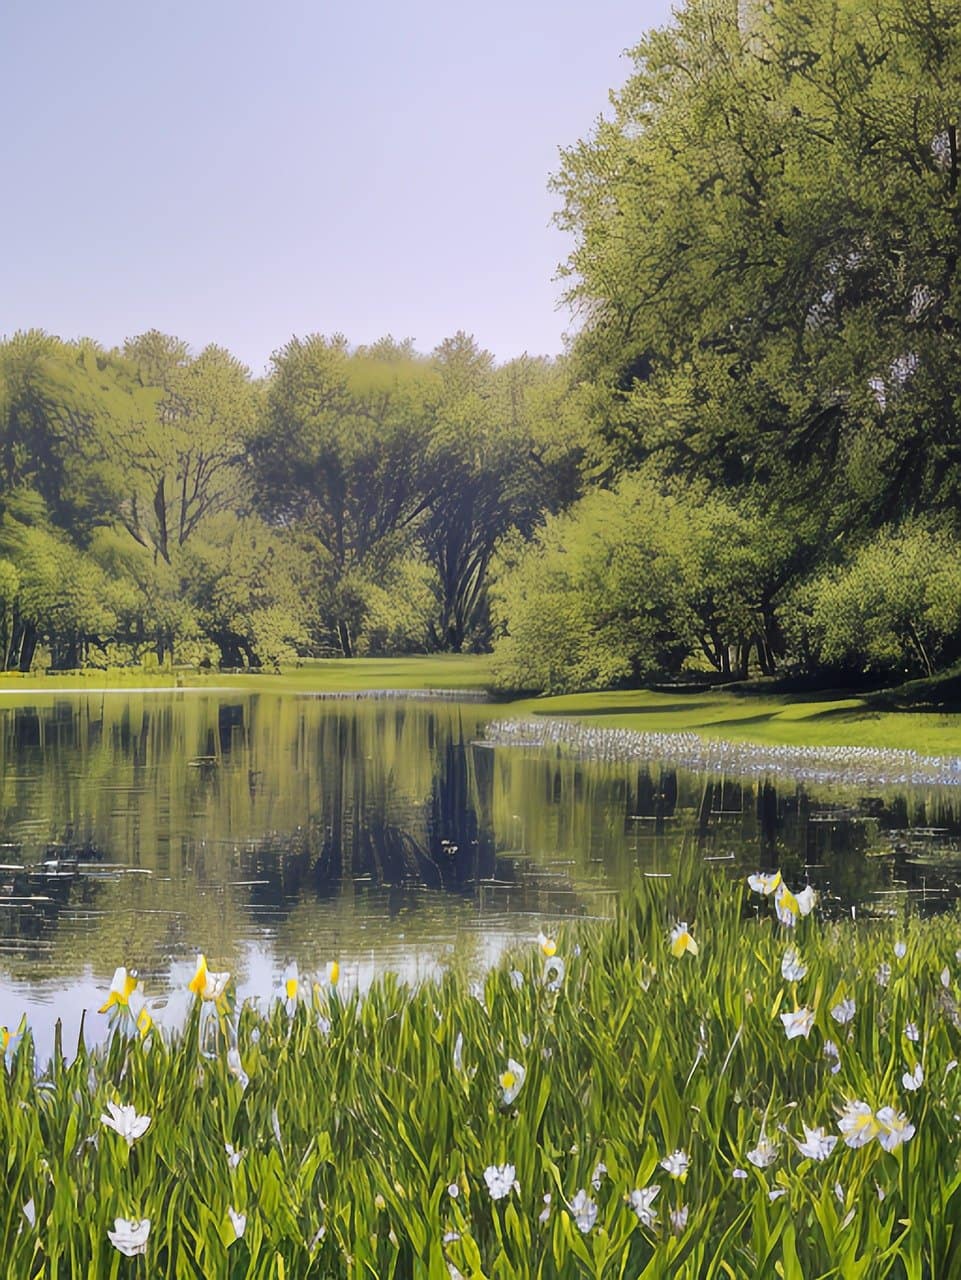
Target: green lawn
{"points": [[799, 720]]}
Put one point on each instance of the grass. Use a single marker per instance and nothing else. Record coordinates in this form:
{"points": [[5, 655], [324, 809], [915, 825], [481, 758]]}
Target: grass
{"points": [[796, 719], [788, 720], [366, 1124]]}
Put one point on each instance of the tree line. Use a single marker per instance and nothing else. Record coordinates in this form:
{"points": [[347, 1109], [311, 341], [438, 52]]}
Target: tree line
{"points": [[163, 506], [748, 460]]}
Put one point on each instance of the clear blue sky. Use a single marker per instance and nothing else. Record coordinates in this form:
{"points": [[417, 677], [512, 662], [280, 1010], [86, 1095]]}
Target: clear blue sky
{"points": [[236, 171]]}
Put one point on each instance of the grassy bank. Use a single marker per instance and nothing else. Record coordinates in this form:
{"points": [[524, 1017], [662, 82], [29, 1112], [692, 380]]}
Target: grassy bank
{"points": [[790, 720], [794, 720], [638, 1109]]}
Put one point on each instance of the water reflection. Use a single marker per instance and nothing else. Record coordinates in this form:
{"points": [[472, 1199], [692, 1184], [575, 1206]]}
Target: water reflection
{"points": [[141, 828]]}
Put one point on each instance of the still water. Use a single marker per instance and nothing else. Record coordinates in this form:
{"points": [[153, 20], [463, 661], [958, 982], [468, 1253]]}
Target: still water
{"points": [[139, 829]]}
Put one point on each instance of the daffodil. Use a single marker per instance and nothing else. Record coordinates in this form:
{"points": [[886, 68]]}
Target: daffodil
{"points": [[511, 1081], [817, 1144], [584, 1212], [233, 1157], [238, 1221], [765, 883], [291, 981], [10, 1039], [844, 1011], [913, 1079], [554, 970], [833, 1055], [857, 1124], [677, 1164], [122, 987], [333, 972], [129, 1236], [205, 984], [900, 950], [678, 1219], [500, 1179], [681, 940], [792, 970], [893, 1128], [547, 945], [912, 1032], [599, 1174], [798, 1023], [126, 1122], [642, 1201], [764, 1154], [545, 1213]]}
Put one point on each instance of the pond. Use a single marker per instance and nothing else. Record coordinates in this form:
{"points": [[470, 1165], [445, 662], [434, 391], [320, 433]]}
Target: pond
{"points": [[141, 828]]}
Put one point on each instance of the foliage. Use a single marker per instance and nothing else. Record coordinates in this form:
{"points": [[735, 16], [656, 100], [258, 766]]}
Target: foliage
{"points": [[894, 608], [627, 1053]]}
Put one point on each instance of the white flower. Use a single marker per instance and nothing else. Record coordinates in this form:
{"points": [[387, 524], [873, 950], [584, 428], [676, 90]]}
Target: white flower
{"points": [[126, 1122], [677, 1164], [458, 1055], [893, 1128], [545, 1213], [817, 1144], [798, 1023], [597, 1177], [777, 1193], [554, 970], [883, 975], [843, 1011], [679, 1219], [900, 950], [839, 1193], [450, 1237], [764, 1154], [766, 884], [641, 1201], [130, 1237], [681, 940], [789, 906], [786, 906], [912, 1032], [511, 1081], [584, 1211], [945, 977], [453, 1190], [833, 1054], [29, 1211], [739, 1173], [792, 970], [517, 979], [233, 1157], [238, 1221], [857, 1124], [913, 1079], [236, 1067], [806, 900], [500, 1178]]}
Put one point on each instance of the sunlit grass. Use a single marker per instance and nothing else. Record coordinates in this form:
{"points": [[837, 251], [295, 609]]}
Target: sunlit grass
{"points": [[349, 1135]]}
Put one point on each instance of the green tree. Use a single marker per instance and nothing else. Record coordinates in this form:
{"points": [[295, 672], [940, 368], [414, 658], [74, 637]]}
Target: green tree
{"points": [[767, 256]]}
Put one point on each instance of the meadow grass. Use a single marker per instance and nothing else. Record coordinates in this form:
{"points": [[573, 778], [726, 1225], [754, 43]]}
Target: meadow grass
{"points": [[365, 1131], [781, 719]]}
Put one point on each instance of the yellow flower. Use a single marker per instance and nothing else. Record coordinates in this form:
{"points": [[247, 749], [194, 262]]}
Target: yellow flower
{"points": [[547, 945], [144, 1022], [333, 972], [206, 984], [681, 940], [291, 980], [121, 989]]}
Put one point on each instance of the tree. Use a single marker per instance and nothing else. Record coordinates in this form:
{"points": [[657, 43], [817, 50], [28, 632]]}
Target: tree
{"points": [[767, 257], [504, 452], [341, 456]]}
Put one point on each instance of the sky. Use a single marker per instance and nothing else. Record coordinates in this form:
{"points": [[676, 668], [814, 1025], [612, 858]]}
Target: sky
{"points": [[239, 171]]}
